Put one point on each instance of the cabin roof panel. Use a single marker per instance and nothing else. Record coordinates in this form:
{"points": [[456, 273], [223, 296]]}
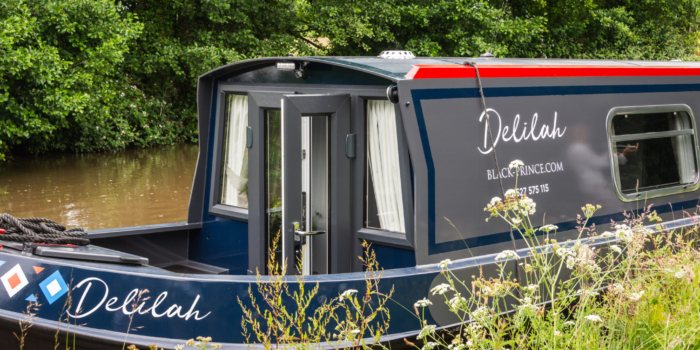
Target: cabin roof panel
{"points": [[453, 67]]}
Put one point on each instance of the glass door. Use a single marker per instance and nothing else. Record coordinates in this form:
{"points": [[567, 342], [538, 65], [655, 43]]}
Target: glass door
{"points": [[315, 184]]}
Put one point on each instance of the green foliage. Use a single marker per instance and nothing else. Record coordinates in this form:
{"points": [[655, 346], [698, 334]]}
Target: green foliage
{"points": [[101, 75], [59, 73]]}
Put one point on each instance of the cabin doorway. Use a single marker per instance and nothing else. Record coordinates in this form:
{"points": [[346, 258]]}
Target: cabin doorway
{"points": [[316, 233]]}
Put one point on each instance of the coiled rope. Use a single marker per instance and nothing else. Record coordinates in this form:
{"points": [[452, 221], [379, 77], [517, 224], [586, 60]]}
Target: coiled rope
{"points": [[40, 230]]}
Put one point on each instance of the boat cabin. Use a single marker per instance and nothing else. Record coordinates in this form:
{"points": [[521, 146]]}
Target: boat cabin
{"points": [[327, 152]]}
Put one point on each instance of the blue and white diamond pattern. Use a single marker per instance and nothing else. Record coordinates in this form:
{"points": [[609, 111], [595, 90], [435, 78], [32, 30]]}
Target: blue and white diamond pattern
{"points": [[53, 287]]}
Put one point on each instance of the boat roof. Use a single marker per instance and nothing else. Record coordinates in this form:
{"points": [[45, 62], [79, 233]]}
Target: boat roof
{"points": [[454, 67]]}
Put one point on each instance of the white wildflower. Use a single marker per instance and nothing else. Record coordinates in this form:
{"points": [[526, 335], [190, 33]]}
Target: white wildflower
{"points": [[430, 345], [526, 306], [441, 289], [516, 163], [680, 274], [557, 333], [423, 303], [618, 288], [636, 296], [458, 302], [481, 312], [506, 254], [515, 222], [355, 331], [527, 206], [427, 330], [549, 228], [616, 249], [495, 200], [594, 318], [347, 294], [587, 292], [511, 193], [443, 264], [474, 327], [569, 323], [531, 288]]}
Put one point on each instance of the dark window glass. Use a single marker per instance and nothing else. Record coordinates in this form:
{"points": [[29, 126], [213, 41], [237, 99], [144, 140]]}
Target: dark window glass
{"points": [[663, 154], [273, 179]]}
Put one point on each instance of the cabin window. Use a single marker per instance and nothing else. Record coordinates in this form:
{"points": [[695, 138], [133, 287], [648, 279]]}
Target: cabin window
{"points": [[383, 205], [234, 163], [654, 152], [273, 179]]}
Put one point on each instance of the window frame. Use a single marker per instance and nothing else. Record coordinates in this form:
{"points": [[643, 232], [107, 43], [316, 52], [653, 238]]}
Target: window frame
{"points": [[216, 208], [632, 110], [384, 237]]}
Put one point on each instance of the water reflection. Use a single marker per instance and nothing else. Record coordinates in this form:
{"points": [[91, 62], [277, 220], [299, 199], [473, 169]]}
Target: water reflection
{"points": [[130, 188]]}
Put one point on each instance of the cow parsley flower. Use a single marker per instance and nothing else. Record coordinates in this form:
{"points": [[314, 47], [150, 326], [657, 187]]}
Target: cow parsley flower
{"points": [[594, 318], [549, 228], [495, 200], [430, 345], [441, 289], [506, 254], [426, 331], [423, 303], [516, 163], [636, 296], [616, 249], [481, 312], [458, 302], [443, 264], [511, 193]]}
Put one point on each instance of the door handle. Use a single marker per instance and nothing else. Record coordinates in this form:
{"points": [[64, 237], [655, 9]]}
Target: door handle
{"points": [[300, 232]]}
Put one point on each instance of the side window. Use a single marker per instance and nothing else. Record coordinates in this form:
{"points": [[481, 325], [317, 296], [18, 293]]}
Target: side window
{"points": [[654, 151], [234, 161], [383, 204]]}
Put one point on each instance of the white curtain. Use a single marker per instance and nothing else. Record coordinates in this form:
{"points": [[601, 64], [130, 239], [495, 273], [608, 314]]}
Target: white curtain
{"points": [[683, 148], [235, 167], [383, 154]]}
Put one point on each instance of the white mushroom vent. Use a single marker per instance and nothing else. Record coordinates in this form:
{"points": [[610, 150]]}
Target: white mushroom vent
{"points": [[397, 55]]}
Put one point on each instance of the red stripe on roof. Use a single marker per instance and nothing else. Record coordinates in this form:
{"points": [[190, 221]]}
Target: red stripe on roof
{"points": [[532, 71]]}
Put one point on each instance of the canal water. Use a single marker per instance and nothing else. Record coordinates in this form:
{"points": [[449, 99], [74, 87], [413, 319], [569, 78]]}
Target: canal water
{"points": [[142, 186]]}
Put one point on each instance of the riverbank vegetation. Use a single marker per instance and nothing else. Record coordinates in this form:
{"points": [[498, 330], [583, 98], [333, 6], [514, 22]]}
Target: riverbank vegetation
{"points": [[633, 287], [84, 76]]}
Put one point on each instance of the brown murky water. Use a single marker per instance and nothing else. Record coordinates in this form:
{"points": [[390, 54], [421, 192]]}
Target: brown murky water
{"points": [[130, 188]]}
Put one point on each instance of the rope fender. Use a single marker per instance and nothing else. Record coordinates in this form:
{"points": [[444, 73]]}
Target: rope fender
{"points": [[40, 230]]}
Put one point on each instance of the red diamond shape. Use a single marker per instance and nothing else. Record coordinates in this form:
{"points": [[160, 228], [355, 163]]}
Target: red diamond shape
{"points": [[14, 281]]}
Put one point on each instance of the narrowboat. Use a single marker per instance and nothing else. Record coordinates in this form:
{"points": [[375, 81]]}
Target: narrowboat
{"points": [[329, 152]]}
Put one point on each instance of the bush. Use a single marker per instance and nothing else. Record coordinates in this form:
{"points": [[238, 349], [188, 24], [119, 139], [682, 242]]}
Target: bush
{"points": [[85, 76]]}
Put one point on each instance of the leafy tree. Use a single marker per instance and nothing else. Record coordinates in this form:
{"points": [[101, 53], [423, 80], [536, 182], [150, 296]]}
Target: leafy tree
{"points": [[59, 69], [81, 75]]}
